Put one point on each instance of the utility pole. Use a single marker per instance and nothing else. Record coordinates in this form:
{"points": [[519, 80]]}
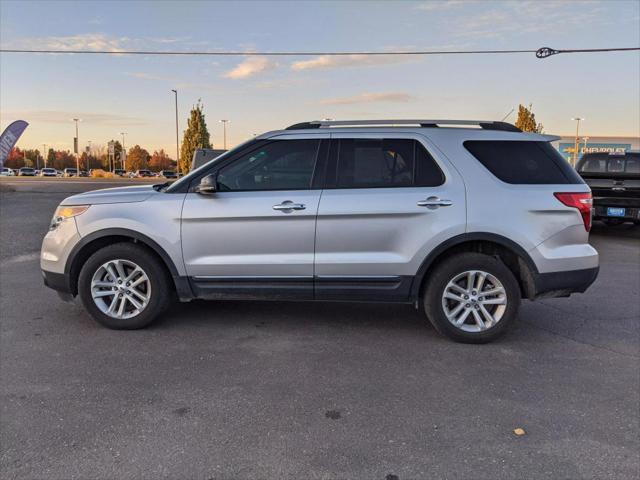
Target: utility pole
{"points": [[575, 151], [177, 140], [76, 149], [45, 155], [123, 158], [224, 135]]}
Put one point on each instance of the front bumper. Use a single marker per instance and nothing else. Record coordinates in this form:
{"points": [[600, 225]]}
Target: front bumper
{"points": [[60, 283], [563, 284]]}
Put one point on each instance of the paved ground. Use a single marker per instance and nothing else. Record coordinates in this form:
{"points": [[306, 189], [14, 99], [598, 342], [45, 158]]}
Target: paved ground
{"points": [[301, 390]]}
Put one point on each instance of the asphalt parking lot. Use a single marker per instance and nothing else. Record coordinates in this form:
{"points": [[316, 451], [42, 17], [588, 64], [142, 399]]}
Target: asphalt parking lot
{"points": [[302, 390]]}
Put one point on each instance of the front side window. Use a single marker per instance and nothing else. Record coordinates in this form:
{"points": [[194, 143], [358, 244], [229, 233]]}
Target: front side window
{"points": [[278, 165], [374, 163]]}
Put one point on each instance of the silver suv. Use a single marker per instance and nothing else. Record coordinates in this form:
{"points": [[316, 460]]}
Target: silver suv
{"points": [[460, 218]]}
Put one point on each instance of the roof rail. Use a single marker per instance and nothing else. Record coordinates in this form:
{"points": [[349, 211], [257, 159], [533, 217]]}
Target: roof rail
{"points": [[484, 124]]}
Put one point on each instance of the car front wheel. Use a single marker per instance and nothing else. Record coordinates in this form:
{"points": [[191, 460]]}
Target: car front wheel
{"points": [[124, 286], [471, 298]]}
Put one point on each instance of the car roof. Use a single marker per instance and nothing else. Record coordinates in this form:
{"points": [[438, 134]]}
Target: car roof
{"points": [[445, 129]]}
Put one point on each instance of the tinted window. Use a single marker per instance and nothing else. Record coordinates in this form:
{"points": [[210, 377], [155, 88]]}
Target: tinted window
{"points": [[278, 165], [593, 165], [371, 163], [523, 162], [633, 165]]}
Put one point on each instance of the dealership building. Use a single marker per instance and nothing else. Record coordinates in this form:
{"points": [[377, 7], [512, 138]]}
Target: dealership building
{"points": [[592, 144]]}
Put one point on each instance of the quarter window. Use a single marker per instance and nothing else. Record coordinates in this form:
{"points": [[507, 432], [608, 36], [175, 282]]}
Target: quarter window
{"points": [[371, 163], [278, 165], [523, 162]]}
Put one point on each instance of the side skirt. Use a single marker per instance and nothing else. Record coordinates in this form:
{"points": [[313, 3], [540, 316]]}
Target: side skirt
{"points": [[396, 289]]}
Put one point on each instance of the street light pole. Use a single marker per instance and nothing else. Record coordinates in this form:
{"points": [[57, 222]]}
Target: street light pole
{"points": [[575, 151], [77, 148], [177, 140], [45, 154], [224, 134], [123, 160]]}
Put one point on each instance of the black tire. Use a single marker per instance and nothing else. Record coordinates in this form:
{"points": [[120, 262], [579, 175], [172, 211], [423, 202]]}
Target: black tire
{"points": [[161, 287], [448, 269]]}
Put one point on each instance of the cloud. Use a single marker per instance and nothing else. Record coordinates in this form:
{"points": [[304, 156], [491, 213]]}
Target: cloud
{"points": [[249, 67], [88, 41], [99, 41], [93, 118], [530, 17], [438, 5], [149, 76], [328, 61], [369, 98]]}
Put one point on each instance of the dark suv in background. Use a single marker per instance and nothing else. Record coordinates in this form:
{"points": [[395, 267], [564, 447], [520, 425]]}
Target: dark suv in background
{"points": [[615, 183]]}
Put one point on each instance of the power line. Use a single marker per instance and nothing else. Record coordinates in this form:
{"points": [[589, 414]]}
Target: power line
{"points": [[540, 53]]}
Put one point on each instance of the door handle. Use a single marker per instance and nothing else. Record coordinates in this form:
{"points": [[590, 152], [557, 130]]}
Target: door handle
{"points": [[288, 206], [434, 202]]}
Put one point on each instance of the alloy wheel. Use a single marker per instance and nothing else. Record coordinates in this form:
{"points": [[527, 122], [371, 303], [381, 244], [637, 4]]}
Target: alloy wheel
{"points": [[120, 289], [474, 301]]}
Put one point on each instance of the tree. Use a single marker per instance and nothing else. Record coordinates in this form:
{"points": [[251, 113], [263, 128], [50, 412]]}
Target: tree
{"points": [[137, 158], [15, 159], [64, 160], [84, 161], [160, 161], [527, 120], [51, 157], [195, 136]]}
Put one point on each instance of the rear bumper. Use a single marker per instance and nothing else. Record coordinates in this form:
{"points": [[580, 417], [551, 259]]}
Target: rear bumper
{"points": [[563, 284]]}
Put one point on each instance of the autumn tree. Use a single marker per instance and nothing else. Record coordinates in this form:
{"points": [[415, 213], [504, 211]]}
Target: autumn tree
{"points": [[527, 120], [160, 161], [64, 159], [137, 158], [195, 136], [15, 159]]}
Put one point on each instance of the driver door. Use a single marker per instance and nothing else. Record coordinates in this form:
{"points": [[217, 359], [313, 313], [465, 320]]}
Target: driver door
{"points": [[254, 237]]}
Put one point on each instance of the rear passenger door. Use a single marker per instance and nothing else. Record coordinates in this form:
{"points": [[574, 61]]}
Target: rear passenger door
{"points": [[388, 201]]}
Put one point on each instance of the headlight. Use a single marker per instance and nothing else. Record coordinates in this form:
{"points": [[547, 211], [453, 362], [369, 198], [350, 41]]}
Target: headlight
{"points": [[62, 213]]}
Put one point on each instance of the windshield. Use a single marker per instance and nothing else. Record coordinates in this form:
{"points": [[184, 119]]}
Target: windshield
{"points": [[194, 173]]}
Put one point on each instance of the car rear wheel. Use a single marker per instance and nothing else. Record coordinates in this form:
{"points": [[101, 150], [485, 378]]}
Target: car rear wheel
{"points": [[471, 298], [124, 286]]}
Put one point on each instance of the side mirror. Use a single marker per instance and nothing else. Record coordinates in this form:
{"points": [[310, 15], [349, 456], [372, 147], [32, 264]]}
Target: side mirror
{"points": [[208, 185]]}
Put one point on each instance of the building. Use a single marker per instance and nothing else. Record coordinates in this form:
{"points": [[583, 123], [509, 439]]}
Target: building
{"points": [[593, 144]]}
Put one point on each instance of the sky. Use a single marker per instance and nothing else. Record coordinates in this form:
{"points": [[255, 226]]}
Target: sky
{"points": [[132, 94]]}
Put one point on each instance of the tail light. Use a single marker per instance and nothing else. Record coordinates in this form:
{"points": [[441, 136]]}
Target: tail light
{"points": [[582, 201]]}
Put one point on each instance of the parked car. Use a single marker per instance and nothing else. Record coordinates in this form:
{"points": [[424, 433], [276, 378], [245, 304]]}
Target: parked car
{"points": [[120, 172], [83, 173], [70, 172], [168, 174], [143, 174], [460, 222], [7, 172], [36, 173], [615, 182], [26, 172], [59, 173], [48, 172]]}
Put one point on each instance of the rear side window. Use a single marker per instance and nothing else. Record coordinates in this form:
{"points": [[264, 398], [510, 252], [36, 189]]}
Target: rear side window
{"points": [[523, 162], [379, 163]]}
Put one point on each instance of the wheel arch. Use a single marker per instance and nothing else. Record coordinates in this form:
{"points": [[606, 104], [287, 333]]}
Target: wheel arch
{"points": [[513, 255], [90, 244]]}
